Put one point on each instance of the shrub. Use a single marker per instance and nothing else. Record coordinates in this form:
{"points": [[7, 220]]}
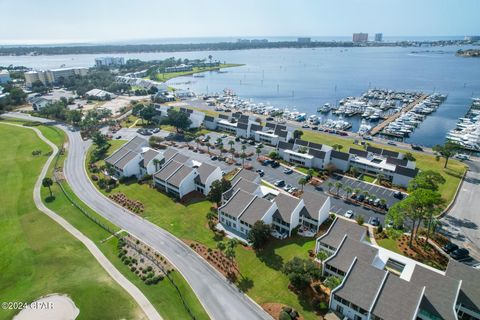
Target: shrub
{"points": [[380, 228], [285, 315], [323, 305], [133, 269], [360, 220], [149, 268], [94, 177]]}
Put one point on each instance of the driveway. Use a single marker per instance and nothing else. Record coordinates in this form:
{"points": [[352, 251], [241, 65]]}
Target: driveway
{"points": [[221, 299], [462, 222]]}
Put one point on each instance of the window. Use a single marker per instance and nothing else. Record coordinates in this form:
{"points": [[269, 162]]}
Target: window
{"points": [[340, 309], [357, 317]]}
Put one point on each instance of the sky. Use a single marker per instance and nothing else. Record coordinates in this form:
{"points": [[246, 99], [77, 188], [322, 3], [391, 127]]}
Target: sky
{"points": [[77, 21]]}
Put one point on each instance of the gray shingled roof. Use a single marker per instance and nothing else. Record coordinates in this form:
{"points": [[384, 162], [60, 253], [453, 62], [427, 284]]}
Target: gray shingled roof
{"points": [[180, 158], [241, 184], [470, 290], [237, 203], [169, 153], [167, 170], [440, 293], [209, 118], [407, 172], [388, 153], [317, 153], [339, 229], [223, 116], [256, 210], [398, 299], [246, 174], [340, 155], [362, 285], [270, 125], [301, 142], [313, 203], [204, 171], [285, 145], [286, 204], [374, 150], [255, 127], [350, 249], [122, 162], [314, 145], [179, 175], [148, 156], [358, 152], [398, 162], [133, 146]]}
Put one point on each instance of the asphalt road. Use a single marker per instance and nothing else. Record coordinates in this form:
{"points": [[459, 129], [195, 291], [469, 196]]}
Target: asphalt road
{"points": [[221, 299], [462, 223]]}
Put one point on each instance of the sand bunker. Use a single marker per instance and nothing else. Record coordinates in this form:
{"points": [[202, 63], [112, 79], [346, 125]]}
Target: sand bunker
{"points": [[53, 307]]}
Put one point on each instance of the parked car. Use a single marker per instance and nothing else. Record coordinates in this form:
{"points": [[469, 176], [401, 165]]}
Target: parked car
{"points": [[459, 254], [251, 142], [156, 130], [375, 222], [462, 156], [398, 195], [266, 162], [292, 190], [449, 247], [118, 137], [214, 158], [417, 147], [269, 119], [287, 171], [279, 183], [367, 138], [275, 164], [287, 187], [260, 172], [361, 198], [223, 136], [348, 214], [376, 203], [353, 196], [392, 143]]}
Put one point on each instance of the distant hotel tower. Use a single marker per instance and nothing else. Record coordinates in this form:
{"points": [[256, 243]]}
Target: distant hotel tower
{"points": [[360, 37], [378, 37]]}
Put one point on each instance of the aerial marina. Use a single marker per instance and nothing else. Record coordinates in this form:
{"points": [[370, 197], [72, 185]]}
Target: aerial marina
{"points": [[467, 132]]}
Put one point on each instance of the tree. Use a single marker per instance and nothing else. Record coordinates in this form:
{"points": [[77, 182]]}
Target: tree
{"points": [[148, 112], [74, 116], [348, 190], [259, 234], [339, 186], [229, 250], [258, 151], [197, 141], [322, 255], [137, 109], [353, 171], [302, 181], [232, 151], [337, 147], [448, 150], [99, 139], [332, 282], [48, 183], [211, 215], [427, 179], [301, 272], [243, 156], [217, 188], [274, 155], [297, 134], [330, 185], [380, 177], [177, 119]]}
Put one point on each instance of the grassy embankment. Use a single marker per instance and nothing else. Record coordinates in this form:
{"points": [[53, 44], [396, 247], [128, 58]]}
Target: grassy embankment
{"points": [[171, 75], [38, 257]]}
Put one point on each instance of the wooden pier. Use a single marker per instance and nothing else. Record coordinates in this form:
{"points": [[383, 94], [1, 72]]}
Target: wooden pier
{"points": [[394, 116]]}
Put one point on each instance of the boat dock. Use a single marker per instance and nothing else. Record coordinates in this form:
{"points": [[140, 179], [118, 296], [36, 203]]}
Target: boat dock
{"points": [[394, 116]]}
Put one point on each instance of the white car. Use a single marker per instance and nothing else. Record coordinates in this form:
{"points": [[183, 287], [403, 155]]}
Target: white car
{"points": [[462, 156], [348, 214]]}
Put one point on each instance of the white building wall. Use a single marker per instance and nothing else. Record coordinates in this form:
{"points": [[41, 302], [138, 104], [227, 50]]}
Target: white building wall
{"points": [[133, 167], [347, 311], [340, 164], [215, 175], [188, 184]]}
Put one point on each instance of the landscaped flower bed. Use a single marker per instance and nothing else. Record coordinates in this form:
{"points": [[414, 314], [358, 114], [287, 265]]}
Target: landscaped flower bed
{"points": [[146, 263], [217, 259], [132, 205]]}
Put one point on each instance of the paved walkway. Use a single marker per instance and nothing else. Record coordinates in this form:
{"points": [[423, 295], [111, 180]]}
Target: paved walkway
{"points": [[136, 294]]}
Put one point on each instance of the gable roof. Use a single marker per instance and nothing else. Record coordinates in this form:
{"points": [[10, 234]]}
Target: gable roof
{"points": [[127, 152], [301, 142], [204, 171], [179, 175], [246, 174], [470, 289], [339, 228], [388, 153], [440, 292], [255, 210], [285, 145], [398, 162], [166, 171], [374, 150], [237, 203], [313, 202], [398, 299], [361, 285], [255, 127], [285, 204], [358, 152], [340, 155], [407, 172], [317, 153], [349, 249], [148, 156]]}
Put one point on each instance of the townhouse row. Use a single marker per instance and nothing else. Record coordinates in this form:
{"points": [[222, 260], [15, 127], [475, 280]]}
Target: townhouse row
{"points": [[394, 166], [379, 284], [248, 202], [173, 172]]}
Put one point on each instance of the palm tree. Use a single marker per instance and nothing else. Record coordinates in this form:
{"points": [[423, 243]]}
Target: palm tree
{"points": [[258, 151], [330, 185], [208, 147], [302, 182], [310, 173], [348, 190], [338, 185], [244, 147], [232, 151], [383, 201], [156, 163], [357, 191], [354, 171], [243, 155], [231, 143], [197, 140], [48, 183], [380, 177]]}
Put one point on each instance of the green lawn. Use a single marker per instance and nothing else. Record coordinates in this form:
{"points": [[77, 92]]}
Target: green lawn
{"points": [[367, 178], [389, 244], [167, 76], [262, 277], [452, 174], [162, 295], [37, 256]]}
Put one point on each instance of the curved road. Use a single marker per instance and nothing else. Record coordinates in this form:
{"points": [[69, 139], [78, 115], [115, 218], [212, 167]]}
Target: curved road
{"points": [[221, 299], [136, 294]]}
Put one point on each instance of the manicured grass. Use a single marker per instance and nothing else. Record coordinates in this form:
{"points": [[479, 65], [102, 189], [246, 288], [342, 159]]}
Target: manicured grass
{"points": [[171, 75], [163, 295], [38, 257], [389, 244], [367, 178], [452, 174]]}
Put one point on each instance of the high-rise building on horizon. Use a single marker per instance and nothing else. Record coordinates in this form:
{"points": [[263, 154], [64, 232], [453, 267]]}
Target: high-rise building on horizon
{"points": [[360, 37], [378, 37]]}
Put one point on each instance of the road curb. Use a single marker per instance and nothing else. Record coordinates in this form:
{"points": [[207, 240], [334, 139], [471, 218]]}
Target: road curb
{"points": [[454, 200]]}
